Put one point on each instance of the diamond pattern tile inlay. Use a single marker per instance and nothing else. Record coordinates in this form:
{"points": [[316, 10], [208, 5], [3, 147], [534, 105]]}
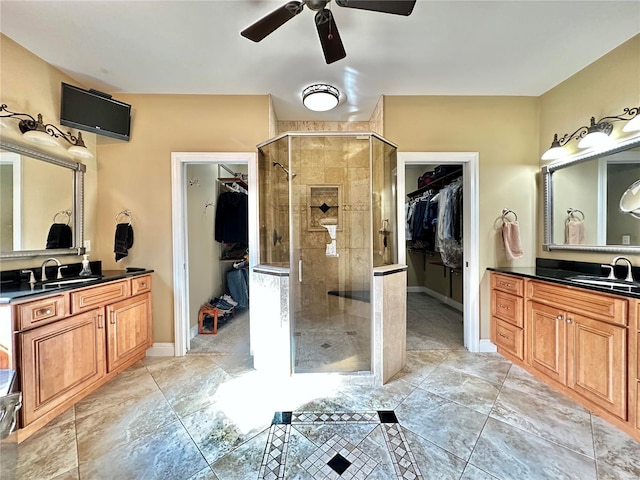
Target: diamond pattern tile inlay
{"points": [[337, 458]]}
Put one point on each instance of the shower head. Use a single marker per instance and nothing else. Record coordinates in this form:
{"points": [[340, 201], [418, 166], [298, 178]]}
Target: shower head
{"points": [[290, 176]]}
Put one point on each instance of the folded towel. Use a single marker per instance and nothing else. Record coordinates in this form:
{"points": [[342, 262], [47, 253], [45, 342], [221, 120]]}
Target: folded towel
{"points": [[59, 236], [123, 240], [511, 239], [574, 232]]}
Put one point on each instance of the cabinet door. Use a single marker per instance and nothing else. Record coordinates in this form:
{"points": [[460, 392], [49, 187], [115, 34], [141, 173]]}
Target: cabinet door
{"points": [[128, 329], [598, 362], [59, 360], [547, 341]]}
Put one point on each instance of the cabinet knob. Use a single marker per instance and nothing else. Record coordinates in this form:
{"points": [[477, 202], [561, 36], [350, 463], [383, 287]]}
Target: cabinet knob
{"points": [[143, 285], [559, 318], [506, 307], [569, 320], [502, 335]]}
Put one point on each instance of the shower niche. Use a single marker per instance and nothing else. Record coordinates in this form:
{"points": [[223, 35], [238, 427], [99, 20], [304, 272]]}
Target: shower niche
{"points": [[330, 291]]}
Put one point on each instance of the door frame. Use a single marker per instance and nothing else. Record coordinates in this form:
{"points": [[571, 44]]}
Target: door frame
{"points": [[179, 161], [470, 227]]}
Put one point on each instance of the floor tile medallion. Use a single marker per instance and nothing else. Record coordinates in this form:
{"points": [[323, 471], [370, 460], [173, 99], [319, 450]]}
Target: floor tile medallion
{"points": [[337, 457]]}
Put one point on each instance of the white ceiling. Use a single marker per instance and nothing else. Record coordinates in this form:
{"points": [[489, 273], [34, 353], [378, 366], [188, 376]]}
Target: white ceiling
{"points": [[444, 48]]}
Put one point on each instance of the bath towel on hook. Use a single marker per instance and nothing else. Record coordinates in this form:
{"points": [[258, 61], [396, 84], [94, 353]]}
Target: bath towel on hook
{"points": [[124, 236]]}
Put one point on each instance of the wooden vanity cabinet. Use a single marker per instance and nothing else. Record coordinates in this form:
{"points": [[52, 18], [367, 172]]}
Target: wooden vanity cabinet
{"points": [[507, 314], [89, 335], [583, 342], [60, 360]]}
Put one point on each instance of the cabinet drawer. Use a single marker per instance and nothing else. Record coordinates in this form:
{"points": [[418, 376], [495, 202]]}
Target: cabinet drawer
{"points": [[596, 305], [507, 283], [140, 284], [87, 298], [509, 338], [42, 311], [507, 307]]}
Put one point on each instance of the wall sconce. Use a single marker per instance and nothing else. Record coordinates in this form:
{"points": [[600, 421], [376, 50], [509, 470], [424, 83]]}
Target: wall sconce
{"points": [[36, 131], [595, 134], [321, 97]]}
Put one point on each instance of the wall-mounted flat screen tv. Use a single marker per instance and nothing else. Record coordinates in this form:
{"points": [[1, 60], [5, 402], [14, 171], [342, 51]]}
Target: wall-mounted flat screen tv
{"points": [[94, 112]]}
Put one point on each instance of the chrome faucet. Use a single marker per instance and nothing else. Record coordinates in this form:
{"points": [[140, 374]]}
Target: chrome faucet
{"points": [[629, 267], [43, 276]]}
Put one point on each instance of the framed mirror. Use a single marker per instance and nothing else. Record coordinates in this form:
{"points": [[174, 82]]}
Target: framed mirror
{"points": [[592, 200], [41, 203]]}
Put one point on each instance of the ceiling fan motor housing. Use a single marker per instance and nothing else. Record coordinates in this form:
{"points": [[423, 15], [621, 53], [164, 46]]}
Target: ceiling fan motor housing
{"points": [[316, 4]]}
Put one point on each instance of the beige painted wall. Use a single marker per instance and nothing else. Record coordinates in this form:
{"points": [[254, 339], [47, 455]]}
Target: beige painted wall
{"points": [[137, 175], [603, 88], [30, 85], [504, 130]]}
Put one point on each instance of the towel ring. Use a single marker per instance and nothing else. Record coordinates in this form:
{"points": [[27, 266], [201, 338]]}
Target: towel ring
{"points": [[506, 211], [126, 213], [572, 211], [63, 212]]}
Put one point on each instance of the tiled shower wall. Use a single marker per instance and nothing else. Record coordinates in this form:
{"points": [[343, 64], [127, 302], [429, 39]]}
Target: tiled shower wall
{"points": [[331, 161]]}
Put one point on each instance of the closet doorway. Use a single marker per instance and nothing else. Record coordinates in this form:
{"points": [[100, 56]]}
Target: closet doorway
{"points": [[212, 209], [443, 280]]}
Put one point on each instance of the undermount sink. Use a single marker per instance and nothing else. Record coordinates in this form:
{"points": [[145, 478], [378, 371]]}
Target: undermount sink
{"points": [[62, 282], [605, 282]]}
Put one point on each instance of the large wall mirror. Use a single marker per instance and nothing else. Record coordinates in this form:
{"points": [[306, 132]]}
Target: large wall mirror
{"points": [[41, 203], [592, 201]]}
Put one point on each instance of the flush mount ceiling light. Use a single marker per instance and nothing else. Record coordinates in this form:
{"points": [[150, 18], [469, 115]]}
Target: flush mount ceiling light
{"points": [[36, 131], [594, 135], [320, 97]]}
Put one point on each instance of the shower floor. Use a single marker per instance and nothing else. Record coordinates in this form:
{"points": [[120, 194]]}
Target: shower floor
{"points": [[338, 343]]}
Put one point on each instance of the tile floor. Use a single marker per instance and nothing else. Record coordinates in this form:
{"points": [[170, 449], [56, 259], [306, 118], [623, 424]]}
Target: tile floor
{"points": [[211, 416]]}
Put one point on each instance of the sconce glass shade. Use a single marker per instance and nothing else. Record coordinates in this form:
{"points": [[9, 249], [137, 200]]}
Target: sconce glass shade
{"points": [[555, 150], [633, 125], [41, 138], [320, 97], [79, 152], [553, 153], [594, 139]]}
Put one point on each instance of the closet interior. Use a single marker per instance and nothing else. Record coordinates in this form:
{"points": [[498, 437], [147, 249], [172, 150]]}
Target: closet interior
{"points": [[433, 235], [218, 255]]}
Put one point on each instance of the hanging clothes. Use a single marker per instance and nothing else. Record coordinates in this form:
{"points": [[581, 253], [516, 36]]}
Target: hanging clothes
{"points": [[449, 224], [232, 218]]}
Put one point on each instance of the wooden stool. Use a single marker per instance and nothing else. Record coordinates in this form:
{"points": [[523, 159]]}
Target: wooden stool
{"points": [[210, 311]]}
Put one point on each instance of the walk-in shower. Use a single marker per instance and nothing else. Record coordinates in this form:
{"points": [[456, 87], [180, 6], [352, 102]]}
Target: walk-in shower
{"points": [[326, 228]]}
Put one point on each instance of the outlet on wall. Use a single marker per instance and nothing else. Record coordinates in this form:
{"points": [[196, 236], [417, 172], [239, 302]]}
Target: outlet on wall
{"points": [[626, 239], [87, 246]]}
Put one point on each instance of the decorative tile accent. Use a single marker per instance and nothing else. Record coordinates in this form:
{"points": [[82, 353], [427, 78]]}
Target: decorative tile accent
{"points": [[275, 453], [337, 457]]}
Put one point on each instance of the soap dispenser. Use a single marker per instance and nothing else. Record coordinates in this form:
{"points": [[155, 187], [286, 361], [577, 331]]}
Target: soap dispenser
{"points": [[86, 269]]}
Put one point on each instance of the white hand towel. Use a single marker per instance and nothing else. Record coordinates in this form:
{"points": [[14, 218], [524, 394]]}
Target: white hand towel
{"points": [[511, 239], [574, 232]]}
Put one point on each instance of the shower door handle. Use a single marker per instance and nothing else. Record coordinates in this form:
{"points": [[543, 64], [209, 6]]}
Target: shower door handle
{"points": [[300, 271]]}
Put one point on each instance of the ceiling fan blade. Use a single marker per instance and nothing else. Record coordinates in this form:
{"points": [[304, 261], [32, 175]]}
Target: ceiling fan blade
{"points": [[329, 36], [272, 21], [398, 7]]}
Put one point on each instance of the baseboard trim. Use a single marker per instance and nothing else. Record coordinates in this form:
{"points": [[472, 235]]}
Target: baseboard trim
{"points": [[444, 299], [486, 346], [416, 289], [161, 350], [193, 331]]}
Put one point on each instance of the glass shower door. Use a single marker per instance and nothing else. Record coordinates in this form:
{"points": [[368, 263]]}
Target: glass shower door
{"points": [[331, 261]]}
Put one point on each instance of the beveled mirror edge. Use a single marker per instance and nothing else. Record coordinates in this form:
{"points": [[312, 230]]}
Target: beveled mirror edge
{"points": [[78, 199], [547, 170]]}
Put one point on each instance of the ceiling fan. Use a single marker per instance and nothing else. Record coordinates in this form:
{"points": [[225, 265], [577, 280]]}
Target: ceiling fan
{"points": [[326, 26]]}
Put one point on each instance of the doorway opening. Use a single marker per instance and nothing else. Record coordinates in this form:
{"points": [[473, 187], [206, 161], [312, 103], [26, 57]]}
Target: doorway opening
{"points": [[443, 282], [212, 251]]}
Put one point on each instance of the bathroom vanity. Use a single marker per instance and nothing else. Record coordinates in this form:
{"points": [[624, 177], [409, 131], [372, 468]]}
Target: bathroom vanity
{"points": [[68, 339], [581, 339]]}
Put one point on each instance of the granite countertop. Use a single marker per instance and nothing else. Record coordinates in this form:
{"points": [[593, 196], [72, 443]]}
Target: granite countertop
{"points": [[550, 273], [18, 291]]}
